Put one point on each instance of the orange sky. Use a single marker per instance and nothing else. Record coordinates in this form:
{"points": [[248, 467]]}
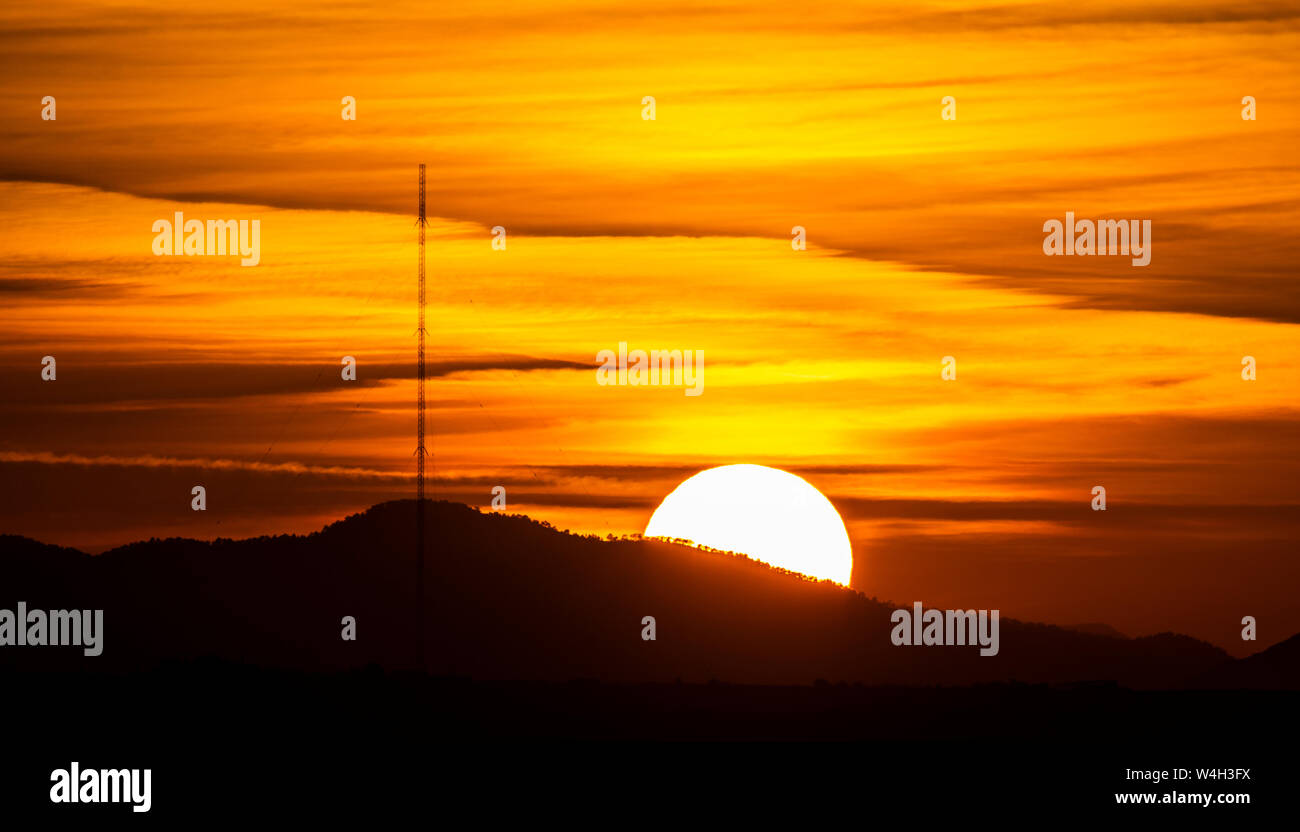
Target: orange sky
{"points": [[924, 241]]}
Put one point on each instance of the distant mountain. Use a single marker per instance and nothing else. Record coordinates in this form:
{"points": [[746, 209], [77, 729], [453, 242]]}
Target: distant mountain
{"points": [[508, 597], [1096, 628], [1277, 668]]}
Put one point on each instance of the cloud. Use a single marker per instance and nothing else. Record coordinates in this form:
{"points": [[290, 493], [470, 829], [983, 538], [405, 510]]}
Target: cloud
{"points": [[58, 287], [764, 127], [85, 380], [201, 464], [1230, 516]]}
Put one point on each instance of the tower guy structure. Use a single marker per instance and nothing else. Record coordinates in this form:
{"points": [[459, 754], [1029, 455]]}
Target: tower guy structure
{"points": [[420, 451]]}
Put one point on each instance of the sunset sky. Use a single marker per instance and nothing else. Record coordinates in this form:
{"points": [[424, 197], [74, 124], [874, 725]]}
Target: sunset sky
{"points": [[924, 240]]}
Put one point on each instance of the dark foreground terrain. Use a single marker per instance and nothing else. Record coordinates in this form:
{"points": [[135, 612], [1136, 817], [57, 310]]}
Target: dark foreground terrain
{"points": [[225, 671], [236, 741], [507, 597]]}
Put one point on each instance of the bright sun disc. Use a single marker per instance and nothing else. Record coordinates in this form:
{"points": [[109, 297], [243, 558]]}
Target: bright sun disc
{"points": [[766, 513]]}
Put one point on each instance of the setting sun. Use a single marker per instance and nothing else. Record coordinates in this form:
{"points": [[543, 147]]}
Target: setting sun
{"points": [[765, 513]]}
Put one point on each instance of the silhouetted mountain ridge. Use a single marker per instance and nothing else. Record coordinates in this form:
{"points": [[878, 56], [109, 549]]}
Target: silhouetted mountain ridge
{"points": [[1096, 628], [509, 597], [1277, 668]]}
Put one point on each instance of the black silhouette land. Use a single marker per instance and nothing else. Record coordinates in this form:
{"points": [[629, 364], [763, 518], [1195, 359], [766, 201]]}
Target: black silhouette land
{"points": [[213, 649], [510, 598]]}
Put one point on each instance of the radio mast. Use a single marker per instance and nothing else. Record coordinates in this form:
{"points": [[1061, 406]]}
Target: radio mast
{"points": [[420, 451]]}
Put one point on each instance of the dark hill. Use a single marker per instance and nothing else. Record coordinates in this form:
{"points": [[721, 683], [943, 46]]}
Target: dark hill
{"points": [[1277, 668], [511, 598], [1096, 628]]}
